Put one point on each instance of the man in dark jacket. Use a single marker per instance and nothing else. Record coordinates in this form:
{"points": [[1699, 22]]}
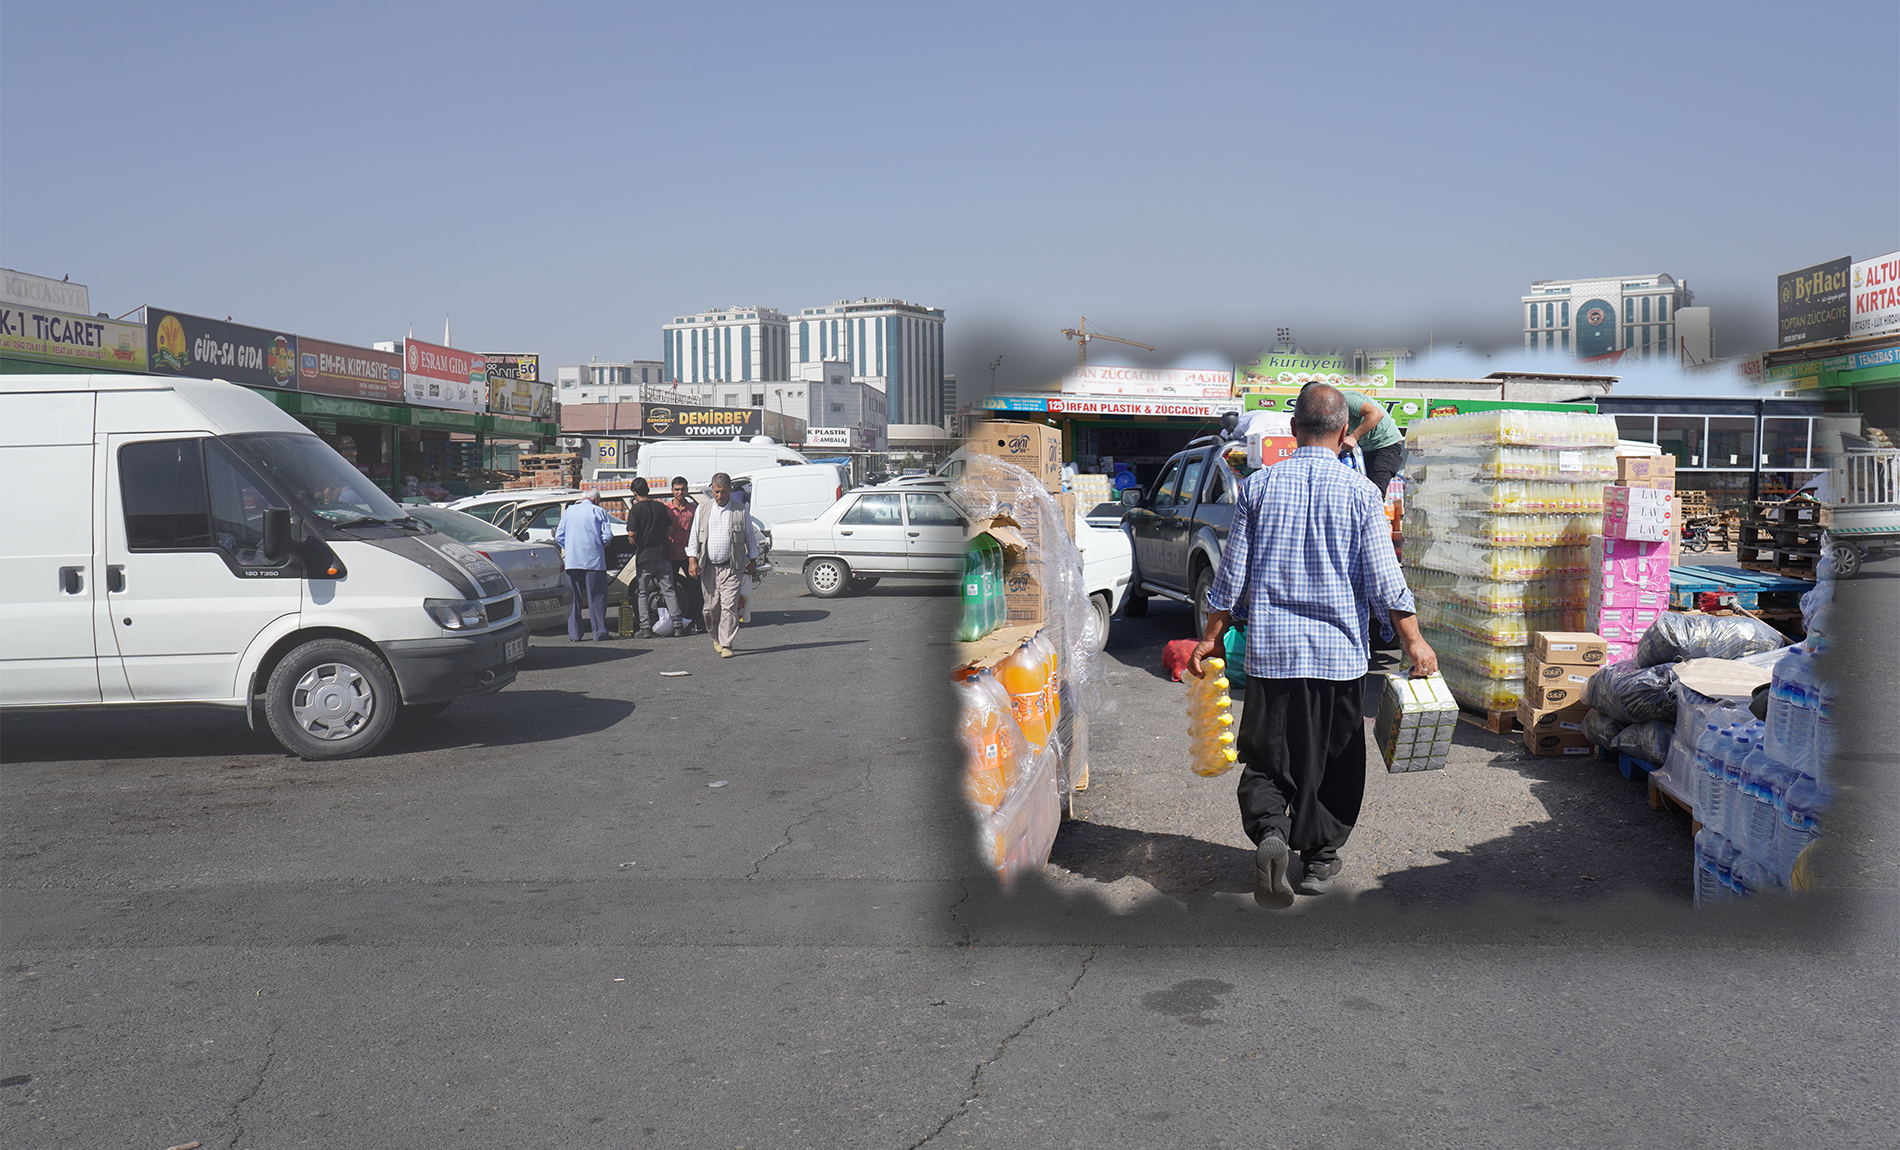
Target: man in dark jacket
{"points": [[650, 528]]}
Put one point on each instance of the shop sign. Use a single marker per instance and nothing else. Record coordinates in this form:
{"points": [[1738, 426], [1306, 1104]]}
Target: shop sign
{"points": [[1812, 304], [1402, 409], [1803, 376], [1015, 403], [520, 398], [1127, 405], [1876, 290], [678, 421], [607, 453], [1438, 407], [1181, 383], [1293, 368], [514, 365], [76, 340], [189, 345], [37, 293], [828, 437], [352, 372], [437, 376]]}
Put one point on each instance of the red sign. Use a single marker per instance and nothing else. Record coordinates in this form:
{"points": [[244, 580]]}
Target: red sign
{"points": [[1128, 405], [437, 376], [353, 372]]}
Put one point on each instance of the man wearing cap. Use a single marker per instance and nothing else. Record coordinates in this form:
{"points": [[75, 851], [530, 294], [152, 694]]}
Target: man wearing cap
{"points": [[1307, 553]]}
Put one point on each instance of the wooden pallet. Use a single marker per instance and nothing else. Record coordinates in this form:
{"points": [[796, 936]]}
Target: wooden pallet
{"points": [[1497, 722], [1635, 768], [1747, 586], [1662, 800]]}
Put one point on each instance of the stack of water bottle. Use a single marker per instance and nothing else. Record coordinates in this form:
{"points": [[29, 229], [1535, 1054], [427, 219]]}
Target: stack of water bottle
{"points": [[1500, 507], [1761, 786]]}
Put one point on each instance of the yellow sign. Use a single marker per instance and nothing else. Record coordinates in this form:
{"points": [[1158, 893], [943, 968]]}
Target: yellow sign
{"points": [[72, 340]]}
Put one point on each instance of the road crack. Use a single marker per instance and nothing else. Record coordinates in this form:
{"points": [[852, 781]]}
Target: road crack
{"points": [[818, 806], [270, 1056], [1002, 1048]]}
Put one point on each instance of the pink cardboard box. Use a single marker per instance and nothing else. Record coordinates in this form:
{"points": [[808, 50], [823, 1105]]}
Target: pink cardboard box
{"points": [[1630, 595], [1639, 513], [1628, 563], [1620, 650]]}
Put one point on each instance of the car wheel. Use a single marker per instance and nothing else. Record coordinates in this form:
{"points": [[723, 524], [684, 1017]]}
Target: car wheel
{"points": [[863, 582], [331, 699], [1846, 560], [827, 578], [1095, 626], [1203, 583]]}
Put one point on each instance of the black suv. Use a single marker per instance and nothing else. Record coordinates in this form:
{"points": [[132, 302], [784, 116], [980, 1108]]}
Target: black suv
{"points": [[1180, 526]]}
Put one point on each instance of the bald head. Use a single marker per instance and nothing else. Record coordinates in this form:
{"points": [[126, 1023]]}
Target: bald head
{"points": [[1319, 415]]}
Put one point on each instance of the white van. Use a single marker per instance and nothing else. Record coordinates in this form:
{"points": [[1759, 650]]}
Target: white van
{"points": [[184, 541], [698, 459], [781, 494]]}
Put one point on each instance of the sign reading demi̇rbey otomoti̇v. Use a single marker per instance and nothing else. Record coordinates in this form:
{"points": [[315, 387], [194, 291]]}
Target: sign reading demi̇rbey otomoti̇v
{"points": [[677, 421]]}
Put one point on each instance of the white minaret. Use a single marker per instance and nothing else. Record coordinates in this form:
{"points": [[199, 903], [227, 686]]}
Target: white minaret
{"points": [[445, 332]]}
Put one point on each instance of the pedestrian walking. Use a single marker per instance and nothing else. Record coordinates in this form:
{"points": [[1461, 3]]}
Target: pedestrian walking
{"points": [[724, 550], [1308, 551], [583, 534], [649, 528], [682, 508]]}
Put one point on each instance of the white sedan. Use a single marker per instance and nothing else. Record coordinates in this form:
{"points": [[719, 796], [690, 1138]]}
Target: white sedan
{"points": [[873, 532]]}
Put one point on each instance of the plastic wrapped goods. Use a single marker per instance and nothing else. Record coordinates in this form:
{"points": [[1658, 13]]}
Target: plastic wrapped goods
{"points": [[1550, 464], [1675, 637], [1505, 564], [1210, 716], [1415, 722], [1478, 691], [1514, 428], [1017, 836], [1646, 742], [1490, 596], [1491, 529], [1632, 693], [1602, 730], [1505, 497], [1480, 659], [1495, 628]]}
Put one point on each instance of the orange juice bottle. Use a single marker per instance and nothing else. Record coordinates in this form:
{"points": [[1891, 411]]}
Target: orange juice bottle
{"points": [[979, 725], [1025, 676]]}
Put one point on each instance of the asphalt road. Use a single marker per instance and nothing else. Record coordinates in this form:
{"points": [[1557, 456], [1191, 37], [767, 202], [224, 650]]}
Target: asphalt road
{"points": [[535, 921]]}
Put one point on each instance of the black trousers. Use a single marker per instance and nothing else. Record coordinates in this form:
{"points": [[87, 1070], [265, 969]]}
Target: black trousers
{"points": [[1383, 464], [1303, 762]]}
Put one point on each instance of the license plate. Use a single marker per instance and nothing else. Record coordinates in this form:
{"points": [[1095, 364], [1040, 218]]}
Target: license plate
{"points": [[516, 649], [537, 606]]}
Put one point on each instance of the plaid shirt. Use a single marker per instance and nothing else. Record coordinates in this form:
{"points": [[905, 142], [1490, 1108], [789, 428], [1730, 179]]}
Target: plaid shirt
{"points": [[1309, 548]]}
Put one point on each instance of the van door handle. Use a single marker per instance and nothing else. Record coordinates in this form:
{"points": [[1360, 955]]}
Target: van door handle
{"points": [[115, 577], [72, 580]]}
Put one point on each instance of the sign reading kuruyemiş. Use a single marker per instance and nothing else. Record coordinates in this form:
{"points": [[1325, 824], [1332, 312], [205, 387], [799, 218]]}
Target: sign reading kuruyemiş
{"points": [[352, 372], [1812, 304], [1175, 383], [678, 421], [189, 345], [1281, 368], [71, 340], [437, 376], [1876, 289]]}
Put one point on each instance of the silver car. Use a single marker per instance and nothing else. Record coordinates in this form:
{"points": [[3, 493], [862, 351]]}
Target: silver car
{"points": [[534, 568], [913, 530]]}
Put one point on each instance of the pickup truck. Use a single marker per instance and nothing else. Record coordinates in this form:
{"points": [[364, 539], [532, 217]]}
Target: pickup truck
{"points": [[1178, 527]]}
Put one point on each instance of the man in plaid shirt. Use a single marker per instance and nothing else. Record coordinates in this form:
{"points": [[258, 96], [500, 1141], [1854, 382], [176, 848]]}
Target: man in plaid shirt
{"points": [[1308, 551]]}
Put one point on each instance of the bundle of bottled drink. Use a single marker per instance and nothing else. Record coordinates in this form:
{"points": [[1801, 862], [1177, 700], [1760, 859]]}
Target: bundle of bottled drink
{"points": [[1210, 721], [1761, 786], [982, 590], [1500, 509]]}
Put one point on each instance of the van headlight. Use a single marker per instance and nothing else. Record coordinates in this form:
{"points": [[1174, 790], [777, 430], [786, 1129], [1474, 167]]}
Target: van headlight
{"points": [[457, 614]]}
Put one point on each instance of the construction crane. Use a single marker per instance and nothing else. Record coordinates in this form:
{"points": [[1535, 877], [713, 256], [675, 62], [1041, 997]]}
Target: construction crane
{"points": [[1081, 333]]}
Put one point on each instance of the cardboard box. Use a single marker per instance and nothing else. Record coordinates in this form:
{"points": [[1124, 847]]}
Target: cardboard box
{"points": [[1034, 447], [1654, 483], [1553, 694], [1575, 674], [1415, 723], [1639, 513], [1557, 743], [1638, 470], [1066, 501], [1024, 593], [1629, 564], [1578, 647], [1565, 718], [1628, 595]]}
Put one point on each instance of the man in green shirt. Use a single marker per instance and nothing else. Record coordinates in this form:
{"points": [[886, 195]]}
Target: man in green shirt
{"points": [[1378, 438]]}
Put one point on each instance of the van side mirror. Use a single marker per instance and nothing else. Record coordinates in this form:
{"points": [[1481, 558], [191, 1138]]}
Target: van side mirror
{"points": [[1131, 497], [276, 547]]}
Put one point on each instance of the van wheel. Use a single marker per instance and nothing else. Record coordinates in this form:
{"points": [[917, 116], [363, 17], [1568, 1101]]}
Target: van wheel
{"points": [[1095, 626], [331, 699], [827, 578]]}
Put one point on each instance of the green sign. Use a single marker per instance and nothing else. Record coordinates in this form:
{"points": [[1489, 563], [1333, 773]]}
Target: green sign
{"points": [[1283, 368], [1467, 406], [1402, 409]]}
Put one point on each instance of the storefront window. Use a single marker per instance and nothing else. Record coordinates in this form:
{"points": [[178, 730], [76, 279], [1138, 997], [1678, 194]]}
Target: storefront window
{"points": [[1682, 437], [1641, 428], [1731, 441], [1784, 442]]}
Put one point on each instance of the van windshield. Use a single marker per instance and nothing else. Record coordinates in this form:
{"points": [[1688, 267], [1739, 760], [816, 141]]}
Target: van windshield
{"points": [[310, 472]]}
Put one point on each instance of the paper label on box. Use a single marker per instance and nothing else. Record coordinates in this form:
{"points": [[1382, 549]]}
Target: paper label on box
{"points": [[1563, 646], [1576, 750], [1570, 726], [1570, 461]]}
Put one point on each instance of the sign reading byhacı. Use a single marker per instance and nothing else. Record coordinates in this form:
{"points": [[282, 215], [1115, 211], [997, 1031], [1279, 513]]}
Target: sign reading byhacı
{"points": [[437, 376], [1876, 288], [1176, 383], [1124, 405]]}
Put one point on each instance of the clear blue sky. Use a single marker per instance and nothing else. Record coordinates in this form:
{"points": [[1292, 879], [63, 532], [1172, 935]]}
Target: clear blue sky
{"points": [[564, 178]]}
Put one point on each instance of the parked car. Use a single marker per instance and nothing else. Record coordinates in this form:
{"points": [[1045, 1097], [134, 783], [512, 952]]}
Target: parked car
{"points": [[1178, 527], [534, 568], [874, 532], [264, 573], [489, 503], [1108, 572]]}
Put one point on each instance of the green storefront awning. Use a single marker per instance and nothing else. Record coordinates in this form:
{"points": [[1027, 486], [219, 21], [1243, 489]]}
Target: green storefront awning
{"points": [[512, 428], [441, 419]]}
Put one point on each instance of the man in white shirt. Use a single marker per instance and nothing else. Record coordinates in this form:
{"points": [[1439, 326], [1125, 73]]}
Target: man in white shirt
{"points": [[723, 549]]}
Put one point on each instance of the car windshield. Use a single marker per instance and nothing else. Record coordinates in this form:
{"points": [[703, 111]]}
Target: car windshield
{"points": [[309, 471], [459, 527]]}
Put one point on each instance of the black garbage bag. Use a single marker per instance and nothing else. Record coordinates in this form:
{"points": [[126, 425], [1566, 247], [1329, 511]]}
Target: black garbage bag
{"points": [[1631, 693], [1602, 730], [1648, 742], [1675, 637]]}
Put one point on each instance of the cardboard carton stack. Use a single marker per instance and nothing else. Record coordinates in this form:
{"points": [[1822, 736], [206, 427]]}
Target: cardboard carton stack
{"points": [[1500, 507], [1629, 562], [1560, 665]]}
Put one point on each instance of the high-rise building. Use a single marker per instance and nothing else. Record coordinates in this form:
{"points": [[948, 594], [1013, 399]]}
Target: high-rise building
{"points": [[598, 382], [729, 344], [1586, 318], [892, 344]]}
